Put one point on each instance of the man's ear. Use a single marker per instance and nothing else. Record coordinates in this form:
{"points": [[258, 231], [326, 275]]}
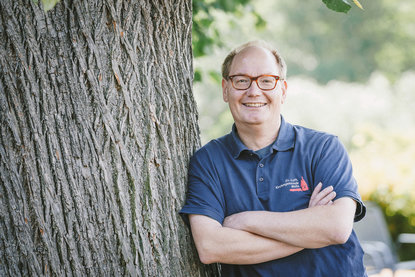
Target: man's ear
{"points": [[284, 91], [224, 91]]}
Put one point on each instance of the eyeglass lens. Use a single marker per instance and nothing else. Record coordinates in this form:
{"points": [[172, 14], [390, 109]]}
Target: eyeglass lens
{"points": [[244, 82]]}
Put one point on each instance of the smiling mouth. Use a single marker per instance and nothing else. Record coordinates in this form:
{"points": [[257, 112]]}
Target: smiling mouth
{"points": [[256, 105]]}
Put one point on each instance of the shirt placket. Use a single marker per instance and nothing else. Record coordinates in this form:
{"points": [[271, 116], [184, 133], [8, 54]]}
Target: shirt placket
{"points": [[261, 179]]}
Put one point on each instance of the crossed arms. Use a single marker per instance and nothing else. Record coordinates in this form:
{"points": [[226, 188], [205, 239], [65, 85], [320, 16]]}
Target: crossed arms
{"points": [[258, 236]]}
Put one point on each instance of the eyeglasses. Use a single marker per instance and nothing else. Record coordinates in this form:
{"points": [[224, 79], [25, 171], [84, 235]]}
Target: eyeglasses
{"points": [[264, 82]]}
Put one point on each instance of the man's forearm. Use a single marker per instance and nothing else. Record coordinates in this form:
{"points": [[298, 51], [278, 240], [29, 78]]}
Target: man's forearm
{"points": [[314, 227], [226, 245]]}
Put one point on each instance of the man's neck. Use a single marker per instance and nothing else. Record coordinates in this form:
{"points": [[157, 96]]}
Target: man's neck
{"points": [[256, 137]]}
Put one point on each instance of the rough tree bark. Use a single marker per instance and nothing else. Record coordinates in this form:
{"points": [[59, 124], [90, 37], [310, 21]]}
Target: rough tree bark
{"points": [[97, 125]]}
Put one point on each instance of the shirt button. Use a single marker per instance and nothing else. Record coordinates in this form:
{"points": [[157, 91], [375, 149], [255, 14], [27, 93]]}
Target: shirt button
{"points": [[261, 165], [261, 179]]}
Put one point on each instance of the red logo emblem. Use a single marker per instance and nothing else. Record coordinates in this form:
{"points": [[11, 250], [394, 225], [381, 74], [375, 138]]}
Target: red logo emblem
{"points": [[295, 187], [304, 185]]}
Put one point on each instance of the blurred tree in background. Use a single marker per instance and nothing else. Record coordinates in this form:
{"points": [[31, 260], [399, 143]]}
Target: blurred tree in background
{"points": [[348, 47], [317, 42], [349, 74]]}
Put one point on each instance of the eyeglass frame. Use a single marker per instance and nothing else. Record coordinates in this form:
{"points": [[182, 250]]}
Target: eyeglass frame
{"points": [[277, 78]]}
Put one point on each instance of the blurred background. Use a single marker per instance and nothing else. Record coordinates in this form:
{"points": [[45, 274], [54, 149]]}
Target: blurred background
{"points": [[351, 74]]}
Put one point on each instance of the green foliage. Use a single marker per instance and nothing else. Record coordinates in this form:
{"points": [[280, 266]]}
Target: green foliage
{"points": [[315, 42], [326, 45], [203, 35], [197, 76], [400, 216], [206, 35], [383, 159], [338, 5]]}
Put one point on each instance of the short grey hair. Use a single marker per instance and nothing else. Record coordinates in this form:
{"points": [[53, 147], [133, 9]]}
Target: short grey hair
{"points": [[255, 43]]}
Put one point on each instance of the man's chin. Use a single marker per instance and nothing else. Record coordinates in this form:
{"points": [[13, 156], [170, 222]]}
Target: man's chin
{"points": [[254, 122], [257, 121]]}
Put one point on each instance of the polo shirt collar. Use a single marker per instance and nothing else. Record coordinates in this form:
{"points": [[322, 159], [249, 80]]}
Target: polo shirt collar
{"points": [[286, 137], [284, 142], [237, 146]]}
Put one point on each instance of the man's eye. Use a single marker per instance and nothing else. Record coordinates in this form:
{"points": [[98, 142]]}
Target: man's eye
{"points": [[242, 81]]}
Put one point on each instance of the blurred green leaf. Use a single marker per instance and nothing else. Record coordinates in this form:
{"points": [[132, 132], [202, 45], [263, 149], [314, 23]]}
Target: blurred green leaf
{"points": [[260, 22], [338, 5], [216, 76], [197, 75]]}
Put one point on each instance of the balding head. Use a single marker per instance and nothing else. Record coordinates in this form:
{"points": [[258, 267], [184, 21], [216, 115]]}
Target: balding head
{"points": [[226, 66]]}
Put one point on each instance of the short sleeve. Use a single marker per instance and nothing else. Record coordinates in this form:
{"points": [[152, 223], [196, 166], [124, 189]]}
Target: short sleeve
{"points": [[204, 195], [334, 168]]}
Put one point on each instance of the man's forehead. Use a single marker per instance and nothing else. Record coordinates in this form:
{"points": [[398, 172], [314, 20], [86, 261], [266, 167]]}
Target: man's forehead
{"points": [[254, 56], [254, 51]]}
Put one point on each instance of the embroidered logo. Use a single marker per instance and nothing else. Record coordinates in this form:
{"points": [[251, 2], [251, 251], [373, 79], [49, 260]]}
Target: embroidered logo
{"points": [[294, 184], [304, 185]]}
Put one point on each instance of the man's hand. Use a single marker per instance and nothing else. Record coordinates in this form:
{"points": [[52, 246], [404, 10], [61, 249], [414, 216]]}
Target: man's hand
{"points": [[325, 222], [318, 198], [321, 198]]}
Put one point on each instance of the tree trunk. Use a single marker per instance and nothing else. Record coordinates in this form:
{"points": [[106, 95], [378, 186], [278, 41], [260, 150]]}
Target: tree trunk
{"points": [[98, 123]]}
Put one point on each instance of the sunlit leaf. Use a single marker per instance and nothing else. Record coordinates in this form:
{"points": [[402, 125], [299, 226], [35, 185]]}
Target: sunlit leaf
{"points": [[357, 3]]}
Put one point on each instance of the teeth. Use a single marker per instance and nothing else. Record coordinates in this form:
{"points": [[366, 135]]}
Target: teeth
{"points": [[254, 104]]}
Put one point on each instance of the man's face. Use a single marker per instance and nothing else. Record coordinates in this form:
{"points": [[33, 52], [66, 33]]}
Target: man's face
{"points": [[254, 106]]}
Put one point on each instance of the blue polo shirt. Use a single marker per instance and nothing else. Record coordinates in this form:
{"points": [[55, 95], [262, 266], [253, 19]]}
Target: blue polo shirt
{"points": [[225, 177]]}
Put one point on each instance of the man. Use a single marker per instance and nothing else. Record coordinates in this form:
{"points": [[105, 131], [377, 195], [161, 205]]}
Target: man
{"points": [[270, 198]]}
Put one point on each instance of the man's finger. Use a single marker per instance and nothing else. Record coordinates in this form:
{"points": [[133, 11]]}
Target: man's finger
{"points": [[320, 197], [327, 199], [321, 194], [316, 190]]}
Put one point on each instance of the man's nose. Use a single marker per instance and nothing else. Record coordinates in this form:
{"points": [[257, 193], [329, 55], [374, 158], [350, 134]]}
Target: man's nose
{"points": [[254, 90]]}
